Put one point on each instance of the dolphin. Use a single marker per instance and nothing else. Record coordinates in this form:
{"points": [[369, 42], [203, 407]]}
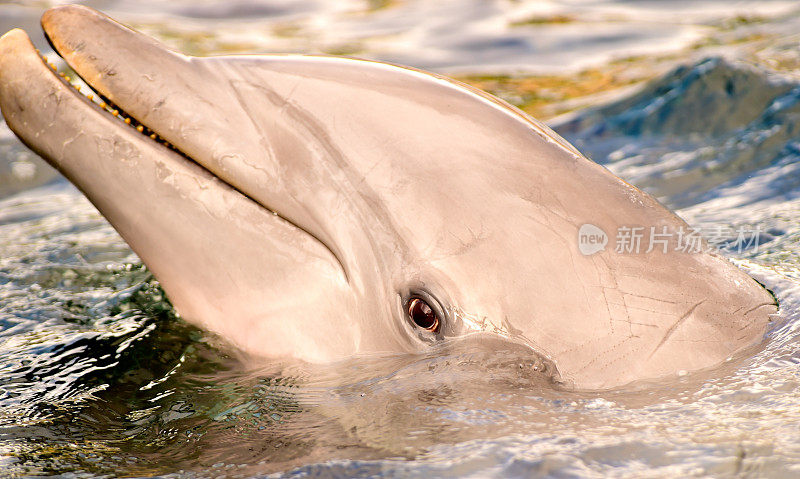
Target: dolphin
{"points": [[321, 207]]}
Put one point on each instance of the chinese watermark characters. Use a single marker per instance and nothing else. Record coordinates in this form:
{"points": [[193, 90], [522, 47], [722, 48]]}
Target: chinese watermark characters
{"points": [[634, 239]]}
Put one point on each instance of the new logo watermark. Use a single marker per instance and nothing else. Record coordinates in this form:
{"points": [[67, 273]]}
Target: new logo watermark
{"points": [[630, 239], [591, 239]]}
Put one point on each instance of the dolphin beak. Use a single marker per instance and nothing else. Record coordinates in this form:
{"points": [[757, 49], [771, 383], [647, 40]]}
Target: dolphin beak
{"points": [[216, 252], [190, 103], [124, 66]]}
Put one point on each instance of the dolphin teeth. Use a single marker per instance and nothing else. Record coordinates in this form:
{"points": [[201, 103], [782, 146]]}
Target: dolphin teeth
{"points": [[110, 107]]}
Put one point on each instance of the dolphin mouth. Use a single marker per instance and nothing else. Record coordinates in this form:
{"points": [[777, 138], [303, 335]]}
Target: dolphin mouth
{"points": [[103, 103]]}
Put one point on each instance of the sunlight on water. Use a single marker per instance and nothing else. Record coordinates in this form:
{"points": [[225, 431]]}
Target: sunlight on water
{"points": [[696, 102]]}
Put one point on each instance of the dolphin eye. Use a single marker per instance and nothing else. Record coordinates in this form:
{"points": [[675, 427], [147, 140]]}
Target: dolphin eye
{"points": [[422, 314]]}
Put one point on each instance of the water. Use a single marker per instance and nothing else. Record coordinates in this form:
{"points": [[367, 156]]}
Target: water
{"points": [[696, 102]]}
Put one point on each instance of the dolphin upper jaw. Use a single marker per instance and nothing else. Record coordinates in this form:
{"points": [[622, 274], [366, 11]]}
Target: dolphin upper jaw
{"points": [[159, 88]]}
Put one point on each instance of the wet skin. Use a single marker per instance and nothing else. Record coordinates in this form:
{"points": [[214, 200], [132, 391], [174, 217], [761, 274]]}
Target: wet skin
{"points": [[304, 206]]}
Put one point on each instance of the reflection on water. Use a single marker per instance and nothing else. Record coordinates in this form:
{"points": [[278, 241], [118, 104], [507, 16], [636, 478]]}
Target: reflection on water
{"points": [[98, 376]]}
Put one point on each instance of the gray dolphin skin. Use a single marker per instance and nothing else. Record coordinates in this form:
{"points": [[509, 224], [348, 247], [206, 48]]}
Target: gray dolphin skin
{"points": [[322, 208]]}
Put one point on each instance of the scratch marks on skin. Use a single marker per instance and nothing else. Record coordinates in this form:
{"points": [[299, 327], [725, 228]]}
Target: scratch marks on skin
{"points": [[607, 352], [629, 322], [674, 327], [119, 147], [651, 298], [471, 242], [621, 344], [371, 168], [606, 292], [750, 324], [69, 141], [288, 98], [639, 308], [759, 306], [545, 222]]}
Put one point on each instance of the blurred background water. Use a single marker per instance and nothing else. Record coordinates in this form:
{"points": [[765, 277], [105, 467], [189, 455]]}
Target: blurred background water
{"points": [[697, 102]]}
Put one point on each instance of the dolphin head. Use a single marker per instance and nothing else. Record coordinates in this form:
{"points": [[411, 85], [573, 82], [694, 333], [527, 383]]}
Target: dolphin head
{"points": [[320, 207]]}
